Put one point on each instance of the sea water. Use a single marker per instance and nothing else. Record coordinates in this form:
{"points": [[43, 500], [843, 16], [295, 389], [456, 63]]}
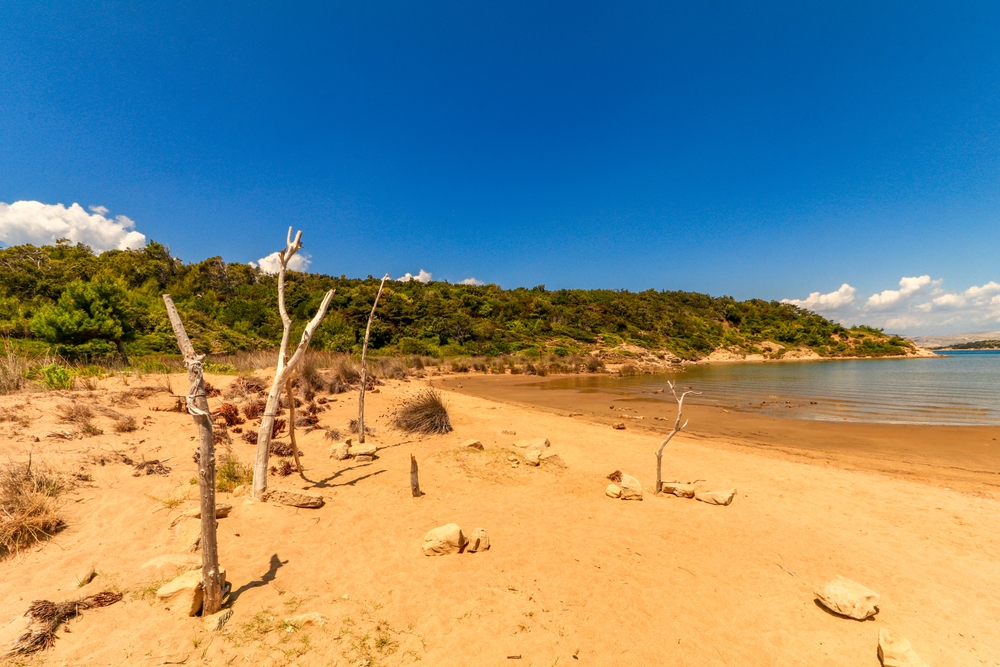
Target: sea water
{"points": [[954, 388]]}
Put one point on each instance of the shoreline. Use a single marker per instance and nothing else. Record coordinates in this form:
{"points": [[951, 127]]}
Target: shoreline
{"points": [[966, 458]]}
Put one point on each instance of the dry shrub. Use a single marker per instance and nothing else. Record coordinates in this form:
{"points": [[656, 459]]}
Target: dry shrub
{"points": [[332, 434], [306, 420], [254, 409], [29, 510], [74, 413], [46, 617], [210, 391], [593, 364], [389, 367], [310, 381], [246, 386], [283, 469], [353, 427], [460, 365], [250, 437], [282, 448], [13, 371], [345, 374], [125, 424], [628, 370], [424, 413], [230, 413]]}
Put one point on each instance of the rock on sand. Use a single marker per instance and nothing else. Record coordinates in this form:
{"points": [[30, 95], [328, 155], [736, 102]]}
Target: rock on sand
{"points": [[848, 598], [613, 491], [678, 489], [183, 595], [447, 539], [631, 488], [895, 651], [294, 497], [478, 541], [716, 497]]}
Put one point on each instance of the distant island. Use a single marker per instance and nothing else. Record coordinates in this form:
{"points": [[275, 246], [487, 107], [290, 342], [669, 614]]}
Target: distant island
{"points": [[66, 299], [974, 345]]}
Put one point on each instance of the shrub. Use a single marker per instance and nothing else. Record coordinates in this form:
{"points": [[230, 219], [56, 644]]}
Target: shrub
{"points": [[125, 424], [219, 368], [28, 506], [54, 376], [231, 414], [254, 409], [425, 413], [230, 473]]}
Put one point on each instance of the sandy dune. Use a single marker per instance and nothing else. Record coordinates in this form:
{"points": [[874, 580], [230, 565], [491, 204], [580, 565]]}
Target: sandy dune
{"points": [[573, 577]]}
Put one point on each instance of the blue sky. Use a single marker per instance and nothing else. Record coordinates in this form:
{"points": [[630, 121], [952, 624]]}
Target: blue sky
{"points": [[770, 150]]}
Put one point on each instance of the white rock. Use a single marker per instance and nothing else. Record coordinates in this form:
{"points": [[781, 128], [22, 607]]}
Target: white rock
{"points": [[313, 618], [86, 576], [240, 490], [716, 497], [554, 459], [478, 541], [362, 450], [895, 651], [848, 598], [613, 491], [531, 457], [678, 489], [537, 444], [184, 595], [340, 451], [447, 539], [631, 488], [294, 497]]}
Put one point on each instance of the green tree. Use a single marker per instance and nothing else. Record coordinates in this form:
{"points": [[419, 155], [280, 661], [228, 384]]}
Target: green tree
{"points": [[86, 315]]}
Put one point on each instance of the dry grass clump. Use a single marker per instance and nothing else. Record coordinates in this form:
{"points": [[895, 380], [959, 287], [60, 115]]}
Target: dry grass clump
{"points": [[46, 617], [125, 424], [345, 374], [254, 409], [424, 413], [13, 371], [74, 413], [389, 367], [245, 387], [231, 414], [29, 510]]}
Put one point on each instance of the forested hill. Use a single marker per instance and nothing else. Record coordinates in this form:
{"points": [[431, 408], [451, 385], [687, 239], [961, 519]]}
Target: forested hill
{"points": [[87, 305]]}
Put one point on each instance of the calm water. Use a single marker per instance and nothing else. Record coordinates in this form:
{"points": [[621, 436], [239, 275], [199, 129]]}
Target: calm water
{"points": [[962, 388]]}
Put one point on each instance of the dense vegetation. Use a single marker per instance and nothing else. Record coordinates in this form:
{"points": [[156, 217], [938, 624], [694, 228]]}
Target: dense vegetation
{"points": [[82, 305], [974, 345]]}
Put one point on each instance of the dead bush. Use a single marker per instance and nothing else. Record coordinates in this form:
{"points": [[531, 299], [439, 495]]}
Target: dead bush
{"points": [[210, 391], [46, 617], [29, 510], [230, 413], [389, 367], [246, 387], [283, 469], [74, 413], [424, 413], [282, 448], [125, 424], [254, 408]]}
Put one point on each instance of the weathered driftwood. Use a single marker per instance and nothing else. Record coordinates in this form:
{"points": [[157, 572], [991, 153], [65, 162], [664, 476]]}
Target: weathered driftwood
{"points": [[291, 424], [364, 364], [414, 480], [197, 406], [678, 427], [286, 366]]}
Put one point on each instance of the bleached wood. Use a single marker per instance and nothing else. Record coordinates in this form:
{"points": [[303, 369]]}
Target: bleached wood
{"points": [[197, 405], [364, 364], [678, 427]]}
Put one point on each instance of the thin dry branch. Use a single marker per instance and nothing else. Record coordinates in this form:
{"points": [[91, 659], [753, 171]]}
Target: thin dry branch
{"points": [[364, 363], [678, 427]]}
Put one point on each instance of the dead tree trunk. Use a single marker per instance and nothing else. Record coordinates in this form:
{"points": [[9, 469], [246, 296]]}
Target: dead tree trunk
{"points": [[414, 479], [197, 405], [678, 427], [364, 365], [291, 424], [285, 370]]}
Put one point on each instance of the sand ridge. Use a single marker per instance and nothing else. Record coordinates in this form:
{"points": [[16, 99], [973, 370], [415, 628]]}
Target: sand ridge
{"points": [[573, 577]]}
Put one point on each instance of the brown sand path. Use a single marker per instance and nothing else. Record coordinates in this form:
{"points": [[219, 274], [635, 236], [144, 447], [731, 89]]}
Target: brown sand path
{"points": [[573, 577]]}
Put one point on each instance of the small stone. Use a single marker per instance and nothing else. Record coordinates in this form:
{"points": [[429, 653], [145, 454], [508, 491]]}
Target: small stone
{"points": [[716, 497], [240, 490], [536, 444], [531, 457], [86, 576], [222, 510], [362, 450], [473, 444], [512, 458], [340, 451], [216, 621], [447, 539], [313, 618], [554, 460], [613, 491], [678, 489], [895, 651], [294, 497], [183, 595], [619, 426], [174, 561], [364, 458], [508, 432], [478, 541], [848, 598], [631, 488]]}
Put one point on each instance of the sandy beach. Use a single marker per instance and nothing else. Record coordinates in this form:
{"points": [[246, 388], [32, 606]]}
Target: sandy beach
{"points": [[573, 576]]}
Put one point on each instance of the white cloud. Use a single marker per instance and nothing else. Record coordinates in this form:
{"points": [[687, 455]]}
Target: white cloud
{"points": [[920, 305], [822, 303], [422, 277], [888, 299], [42, 224], [272, 264], [471, 281]]}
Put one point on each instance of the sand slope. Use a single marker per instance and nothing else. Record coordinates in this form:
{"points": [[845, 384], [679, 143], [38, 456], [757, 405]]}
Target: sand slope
{"points": [[573, 577]]}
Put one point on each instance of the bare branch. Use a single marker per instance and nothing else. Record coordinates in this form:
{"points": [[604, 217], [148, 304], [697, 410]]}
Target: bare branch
{"points": [[364, 364], [678, 427]]}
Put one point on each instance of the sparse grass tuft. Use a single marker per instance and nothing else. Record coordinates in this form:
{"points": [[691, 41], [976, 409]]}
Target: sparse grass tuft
{"points": [[125, 424], [425, 413], [230, 473], [29, 510]]}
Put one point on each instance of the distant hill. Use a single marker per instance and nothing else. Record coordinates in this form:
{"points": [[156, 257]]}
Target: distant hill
{"points": [[974, 345], [947, 340], [86, 305]]}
